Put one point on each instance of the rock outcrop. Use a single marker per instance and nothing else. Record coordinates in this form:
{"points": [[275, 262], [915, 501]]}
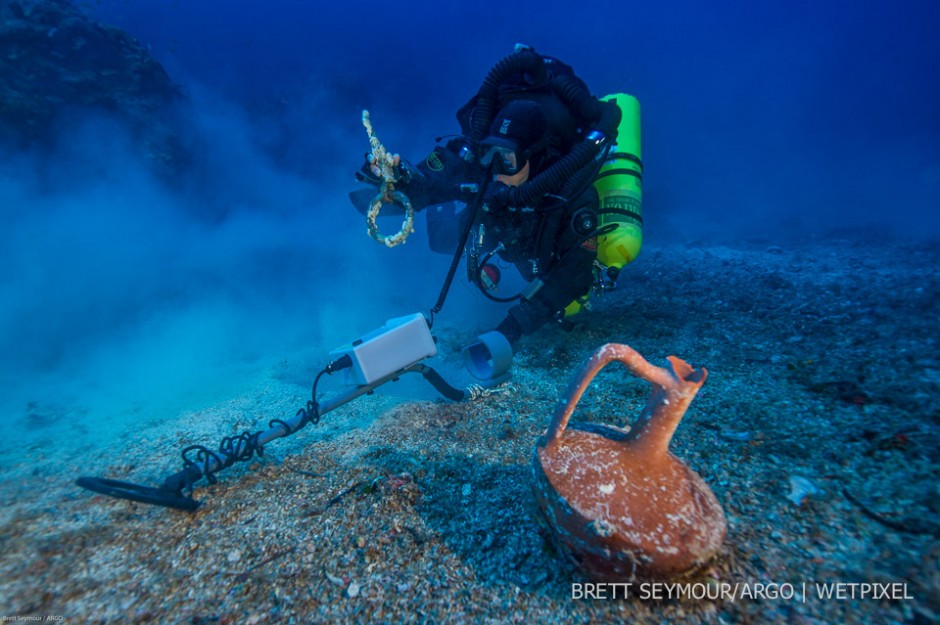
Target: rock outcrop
{"points": [[56, 61]]}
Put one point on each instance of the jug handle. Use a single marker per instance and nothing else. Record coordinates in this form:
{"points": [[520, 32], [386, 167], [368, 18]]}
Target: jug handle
{"points": [[673, 390]]}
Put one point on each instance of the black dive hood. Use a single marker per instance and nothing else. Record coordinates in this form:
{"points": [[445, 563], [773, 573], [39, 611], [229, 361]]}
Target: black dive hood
{"points": [[605, 117]]}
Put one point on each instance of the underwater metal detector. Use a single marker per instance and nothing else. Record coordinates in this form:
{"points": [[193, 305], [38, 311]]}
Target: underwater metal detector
{"points": [[382, 356]]}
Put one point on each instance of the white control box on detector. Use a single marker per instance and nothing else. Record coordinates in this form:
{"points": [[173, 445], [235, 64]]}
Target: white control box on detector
{"points": [[399, 343]]}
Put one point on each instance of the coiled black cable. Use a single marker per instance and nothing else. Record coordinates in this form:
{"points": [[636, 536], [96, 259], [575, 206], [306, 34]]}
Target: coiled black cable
{"points": [[232, 449], [246, 445]]}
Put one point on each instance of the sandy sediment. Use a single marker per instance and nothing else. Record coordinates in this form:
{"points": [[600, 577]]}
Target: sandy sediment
{"points": [[817, 429]]}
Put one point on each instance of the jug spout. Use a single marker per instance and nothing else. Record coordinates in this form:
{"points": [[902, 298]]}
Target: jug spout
{"points": [[673, 391]]}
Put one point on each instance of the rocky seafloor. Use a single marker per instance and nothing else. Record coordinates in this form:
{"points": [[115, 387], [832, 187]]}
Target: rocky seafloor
{"points": [[818, 429]]}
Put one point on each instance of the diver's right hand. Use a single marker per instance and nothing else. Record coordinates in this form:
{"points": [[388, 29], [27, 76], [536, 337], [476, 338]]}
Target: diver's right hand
{"points": [[369, 172]]}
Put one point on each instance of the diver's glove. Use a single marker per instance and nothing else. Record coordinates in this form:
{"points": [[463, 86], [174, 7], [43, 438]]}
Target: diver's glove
{"points": [[405, 172], [370, 173], [496, 197], [511, 329], [366, 173]]}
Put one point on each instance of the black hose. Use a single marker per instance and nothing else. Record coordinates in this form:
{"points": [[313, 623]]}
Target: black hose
{"points": [[579, 99], [440, 384], [553, 177], [458, 254], [582, 154], [479, 282], [522, 62]]}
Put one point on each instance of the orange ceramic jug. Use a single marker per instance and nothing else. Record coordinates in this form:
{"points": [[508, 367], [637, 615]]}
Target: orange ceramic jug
{"points": [[620, 505]]}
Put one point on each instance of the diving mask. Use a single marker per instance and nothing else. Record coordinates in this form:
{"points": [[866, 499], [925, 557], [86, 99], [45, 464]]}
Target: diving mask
{"points": [[504, 160]]}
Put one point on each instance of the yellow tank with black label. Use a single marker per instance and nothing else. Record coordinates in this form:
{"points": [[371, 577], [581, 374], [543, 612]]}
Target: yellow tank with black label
{"points": [[619, 185]]}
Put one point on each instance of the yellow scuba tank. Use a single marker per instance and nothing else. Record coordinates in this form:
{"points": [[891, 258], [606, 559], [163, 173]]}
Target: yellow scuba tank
{"points": [[619, 185]]}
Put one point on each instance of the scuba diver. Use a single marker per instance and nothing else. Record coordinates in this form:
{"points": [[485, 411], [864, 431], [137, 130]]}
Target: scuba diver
{"points": [[533, 141]]}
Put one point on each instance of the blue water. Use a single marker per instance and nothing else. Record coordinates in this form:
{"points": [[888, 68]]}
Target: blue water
{"points": [[777, 123], [755, 116]]}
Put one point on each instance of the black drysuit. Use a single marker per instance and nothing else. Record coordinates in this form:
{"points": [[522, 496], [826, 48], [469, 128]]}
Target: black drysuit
{"points": [[549, 243]]}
